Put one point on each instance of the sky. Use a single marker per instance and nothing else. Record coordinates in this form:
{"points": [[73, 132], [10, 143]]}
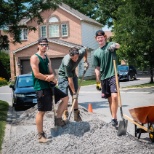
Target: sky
{"points": [[105, 28]]}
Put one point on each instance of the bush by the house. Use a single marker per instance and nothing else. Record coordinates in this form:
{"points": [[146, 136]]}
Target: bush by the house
{"points": [[3, 81]]}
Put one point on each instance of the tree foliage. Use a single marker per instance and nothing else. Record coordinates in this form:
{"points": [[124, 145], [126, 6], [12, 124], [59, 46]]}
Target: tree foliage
{"points": [[4, 65], [132, 23], [13, 11]]}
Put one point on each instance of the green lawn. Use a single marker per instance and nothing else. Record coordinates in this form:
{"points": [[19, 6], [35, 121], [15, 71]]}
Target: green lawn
{"points": [[93, 81], [87, 82], [3, 115], [141, 85]]}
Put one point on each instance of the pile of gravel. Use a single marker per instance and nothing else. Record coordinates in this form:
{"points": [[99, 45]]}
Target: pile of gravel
{"points": [[92, 136]]}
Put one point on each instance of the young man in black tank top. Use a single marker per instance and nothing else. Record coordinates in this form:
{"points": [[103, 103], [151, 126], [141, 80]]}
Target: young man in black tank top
{"points": [[42, 75]]}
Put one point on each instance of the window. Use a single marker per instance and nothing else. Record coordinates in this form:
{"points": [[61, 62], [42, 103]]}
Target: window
{"points": [[53, 19], [54, 30], [43, 31], [64, 30], [23, 34]]}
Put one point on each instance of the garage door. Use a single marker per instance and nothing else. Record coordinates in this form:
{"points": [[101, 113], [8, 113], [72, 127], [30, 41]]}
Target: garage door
{"points": [[55, 62], [25, 66]]}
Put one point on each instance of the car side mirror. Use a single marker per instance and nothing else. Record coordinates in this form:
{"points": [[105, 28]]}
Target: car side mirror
{"points": [[11, 86]]}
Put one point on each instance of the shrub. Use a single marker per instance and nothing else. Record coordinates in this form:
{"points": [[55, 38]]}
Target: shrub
{"points": [[3, 81]]}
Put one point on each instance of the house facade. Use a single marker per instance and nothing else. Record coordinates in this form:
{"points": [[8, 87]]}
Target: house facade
{"points": [[64, 28]]}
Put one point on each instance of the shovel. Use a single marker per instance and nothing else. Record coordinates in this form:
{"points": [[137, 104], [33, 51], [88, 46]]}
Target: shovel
{"points": [[122, 129], [54, 131], [74, 100]]}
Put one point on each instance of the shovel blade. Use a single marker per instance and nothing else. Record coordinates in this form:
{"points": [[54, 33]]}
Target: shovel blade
{"points": [[122, 129], [54, 132]]}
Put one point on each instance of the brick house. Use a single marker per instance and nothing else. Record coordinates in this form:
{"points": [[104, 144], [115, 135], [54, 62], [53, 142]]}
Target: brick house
{"points": [[64, 28]]}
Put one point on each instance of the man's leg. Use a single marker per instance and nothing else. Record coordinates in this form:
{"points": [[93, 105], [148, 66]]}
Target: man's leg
{"points": [[77, 116], [39, 124], [39, 121], [62, 106], [110, 101], [114, 108], [63, 86], [114, 105]]}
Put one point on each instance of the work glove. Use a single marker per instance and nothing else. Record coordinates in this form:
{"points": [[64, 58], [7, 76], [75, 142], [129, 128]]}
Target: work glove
{"points": [[112, 47], [75, 96], [86, 65], [98, 86]]}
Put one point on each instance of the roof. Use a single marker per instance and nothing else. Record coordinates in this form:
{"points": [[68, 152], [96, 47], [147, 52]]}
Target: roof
{"points": [[78, 14], [56, 41], [71, 11]]}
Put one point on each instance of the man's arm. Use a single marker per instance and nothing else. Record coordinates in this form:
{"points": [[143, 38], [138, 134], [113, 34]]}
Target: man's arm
{"points": [[97, 73], [71, 84], [51, 76], [114, 46], [98, 83], [85, 58]]}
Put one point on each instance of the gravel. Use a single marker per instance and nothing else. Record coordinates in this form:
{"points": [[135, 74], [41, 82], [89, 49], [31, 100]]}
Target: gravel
{"points": [[91, 136]]}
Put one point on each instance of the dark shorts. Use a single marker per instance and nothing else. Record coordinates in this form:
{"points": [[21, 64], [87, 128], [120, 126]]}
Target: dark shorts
{"points": [[44, 98], [108, 87], [63, 84]]}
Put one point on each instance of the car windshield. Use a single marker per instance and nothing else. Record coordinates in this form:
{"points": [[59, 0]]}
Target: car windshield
{"points": [[25, 81], [123, 68]]}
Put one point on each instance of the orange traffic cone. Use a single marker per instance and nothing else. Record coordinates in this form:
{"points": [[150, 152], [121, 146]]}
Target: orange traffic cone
{"points": [[90, 109]]}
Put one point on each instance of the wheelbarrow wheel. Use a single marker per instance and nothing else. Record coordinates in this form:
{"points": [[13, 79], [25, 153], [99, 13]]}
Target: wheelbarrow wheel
{"points": [[151, 134]]}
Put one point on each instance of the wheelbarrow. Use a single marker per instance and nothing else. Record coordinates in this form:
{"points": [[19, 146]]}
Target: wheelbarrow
{"points": [[140, 117]]}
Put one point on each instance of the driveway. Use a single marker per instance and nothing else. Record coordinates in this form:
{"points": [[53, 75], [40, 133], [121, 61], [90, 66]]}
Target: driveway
{"points": [[88, 94]]}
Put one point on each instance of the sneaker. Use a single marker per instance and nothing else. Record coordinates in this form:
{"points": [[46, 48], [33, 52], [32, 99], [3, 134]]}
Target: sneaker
{"points": [[60, 122], [42, 138], [77, 116], [114, 122], [65, 115]]}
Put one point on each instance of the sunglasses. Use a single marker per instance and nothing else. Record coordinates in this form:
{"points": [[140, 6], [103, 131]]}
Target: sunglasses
{"points": [[75, 52], [42, 45]]}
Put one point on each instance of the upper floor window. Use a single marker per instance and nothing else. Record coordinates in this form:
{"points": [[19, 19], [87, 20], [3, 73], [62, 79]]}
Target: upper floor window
{"points": [[23, 34], [43, 31], [53, 19], [64, 30], [53, 30]]}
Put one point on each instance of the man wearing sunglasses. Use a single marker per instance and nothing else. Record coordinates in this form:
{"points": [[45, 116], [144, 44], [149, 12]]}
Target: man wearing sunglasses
{"points": [[68, 79], [43, 76]]}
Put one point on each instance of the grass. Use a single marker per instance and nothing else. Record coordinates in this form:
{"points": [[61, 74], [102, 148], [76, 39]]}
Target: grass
{"points": [[93, 81], [87, 82], [141, 85], [3, 116]]}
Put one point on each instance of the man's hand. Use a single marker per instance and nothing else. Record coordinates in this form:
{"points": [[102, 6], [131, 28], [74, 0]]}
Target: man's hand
{"points": [[112, 47], [50, 77], [86, 65], [75, 96], [98, 86]]}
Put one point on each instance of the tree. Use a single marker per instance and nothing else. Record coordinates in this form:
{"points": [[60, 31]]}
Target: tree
{"points": [[133, 26], [12, 12], [135, 31]]}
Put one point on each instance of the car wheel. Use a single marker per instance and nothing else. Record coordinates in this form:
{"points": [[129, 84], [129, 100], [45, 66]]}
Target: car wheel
{"points": [[135, 76], [128, 77]]}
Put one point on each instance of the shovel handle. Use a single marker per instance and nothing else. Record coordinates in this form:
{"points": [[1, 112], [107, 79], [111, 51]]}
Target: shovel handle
{"points": [[74, 100], [53, 104], [117, 84]]}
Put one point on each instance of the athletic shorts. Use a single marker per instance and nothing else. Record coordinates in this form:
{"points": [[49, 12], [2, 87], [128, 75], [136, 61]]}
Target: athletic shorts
{"points": [[108, 87], [44, 98], [64, 86]]}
